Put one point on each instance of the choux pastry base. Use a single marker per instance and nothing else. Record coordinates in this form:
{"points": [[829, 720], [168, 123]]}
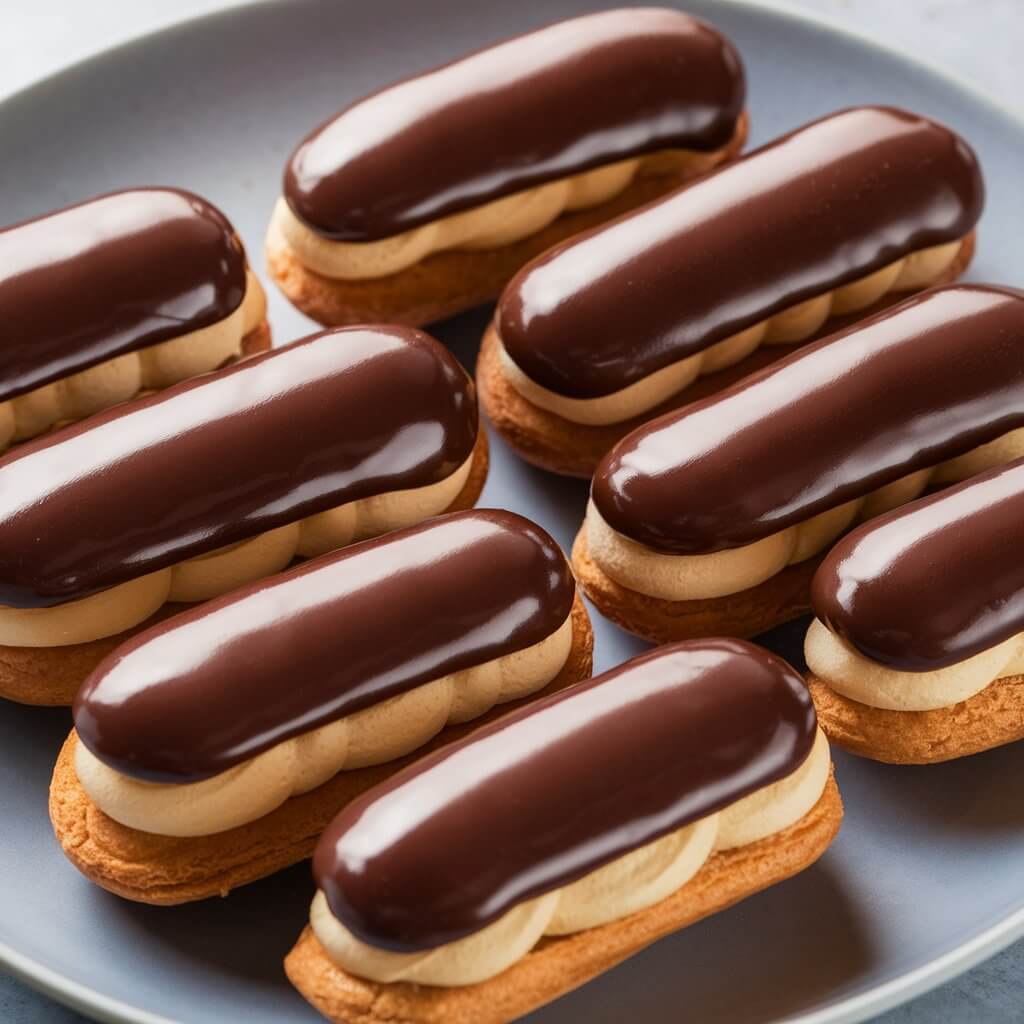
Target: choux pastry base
{"points": [[449, 282], [991, 718], [785, 596], [167, 870], [558, 445], [51, 676], [558, 965]]}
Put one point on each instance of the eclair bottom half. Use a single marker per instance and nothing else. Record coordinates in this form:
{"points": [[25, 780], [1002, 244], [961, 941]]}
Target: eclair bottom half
{"points": [[991, 718], [51, 676], [451, 281], [167, 870], [556, 444], [559, 964]]}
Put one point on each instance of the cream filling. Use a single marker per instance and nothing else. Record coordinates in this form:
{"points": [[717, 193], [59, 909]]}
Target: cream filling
{"points": [[206, 576], [377, 734], [123, 377], [913, 272], [720, 573], [629, 884], [855, 676], [488, 226]]}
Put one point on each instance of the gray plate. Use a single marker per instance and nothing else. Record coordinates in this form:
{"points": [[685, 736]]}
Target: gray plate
{"points": [[925, 878]]}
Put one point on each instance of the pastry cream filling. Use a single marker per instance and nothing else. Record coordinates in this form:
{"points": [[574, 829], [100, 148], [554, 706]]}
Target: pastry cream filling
{"points": [[627, 885], [720, 573], [866, 681], [206, 576], [377, 734], [797, 323], [488, 226], [123, 377]]}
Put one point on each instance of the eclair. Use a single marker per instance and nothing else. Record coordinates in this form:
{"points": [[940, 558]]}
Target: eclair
{"points": [[916, 654], [129, 292], [681, 298], [185, 494], [711, 520], [424, 198], [214, 748], [509, 868]]}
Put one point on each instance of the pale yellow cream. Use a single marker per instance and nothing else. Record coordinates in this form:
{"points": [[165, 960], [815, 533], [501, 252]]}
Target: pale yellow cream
{"points": [[913, 272], [488, 226], [215, 573], [123, 377], [629, 884], [855, 676], [720, 573], [375, 735]]}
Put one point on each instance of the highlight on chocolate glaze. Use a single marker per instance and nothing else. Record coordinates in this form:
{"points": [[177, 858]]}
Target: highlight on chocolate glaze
{"points": [[537, 107], [130, 290], [863, 202], [452, 869]]}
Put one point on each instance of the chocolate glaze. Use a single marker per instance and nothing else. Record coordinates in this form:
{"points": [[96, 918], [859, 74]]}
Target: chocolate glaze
{"points": [[823, 206], [554, 791], [328, 638], [334, 417], [108, 276], [935, 582], [929, 379], [552, 103]]}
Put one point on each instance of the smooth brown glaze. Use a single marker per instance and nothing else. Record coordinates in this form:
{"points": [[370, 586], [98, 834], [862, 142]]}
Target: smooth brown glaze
{"points": [[109, 276], [556, 790], [929, 379], [332, 418], [555, 102], [935, 582], [818, 208], [289, 654]]}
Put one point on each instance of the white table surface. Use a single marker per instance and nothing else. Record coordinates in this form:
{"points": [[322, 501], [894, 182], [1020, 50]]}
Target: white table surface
{"points": [[981, 40]]}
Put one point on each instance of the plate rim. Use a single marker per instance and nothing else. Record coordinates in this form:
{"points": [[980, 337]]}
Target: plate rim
{"points": [[853, 1009]]}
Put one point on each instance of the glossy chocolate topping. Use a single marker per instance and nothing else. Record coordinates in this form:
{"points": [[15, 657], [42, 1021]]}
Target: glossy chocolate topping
{"points": [[932, 583], [823, 206], [328, 638], [556, 790], [930, 379], [561, 100], [334, 417], [109, 276]]}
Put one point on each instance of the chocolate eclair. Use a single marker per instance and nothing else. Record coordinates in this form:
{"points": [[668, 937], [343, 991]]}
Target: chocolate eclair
{"points": [[129, 292], [184, 495], [712, 519], [497, 874], [424, 198], [916, 654], [311, 687], [679, 299]]}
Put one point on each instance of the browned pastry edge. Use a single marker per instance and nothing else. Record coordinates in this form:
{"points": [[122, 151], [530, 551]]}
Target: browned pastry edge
{"points": [[991, 718], [449, 282], [165, 870], [784, 596], [560, 446], [256, 340], [50, 676], [558, 965]]}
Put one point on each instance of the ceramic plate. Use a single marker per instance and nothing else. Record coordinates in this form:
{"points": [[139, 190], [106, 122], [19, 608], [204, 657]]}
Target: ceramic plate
{"points": [[925, 878]]}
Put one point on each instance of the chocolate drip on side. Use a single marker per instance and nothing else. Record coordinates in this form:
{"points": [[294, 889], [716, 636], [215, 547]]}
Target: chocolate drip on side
{"points": [[287, 655], [930, 379], [109, 276], [935, 582], [332, 418], [825, 205], [552, 103], [556, 790]]}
